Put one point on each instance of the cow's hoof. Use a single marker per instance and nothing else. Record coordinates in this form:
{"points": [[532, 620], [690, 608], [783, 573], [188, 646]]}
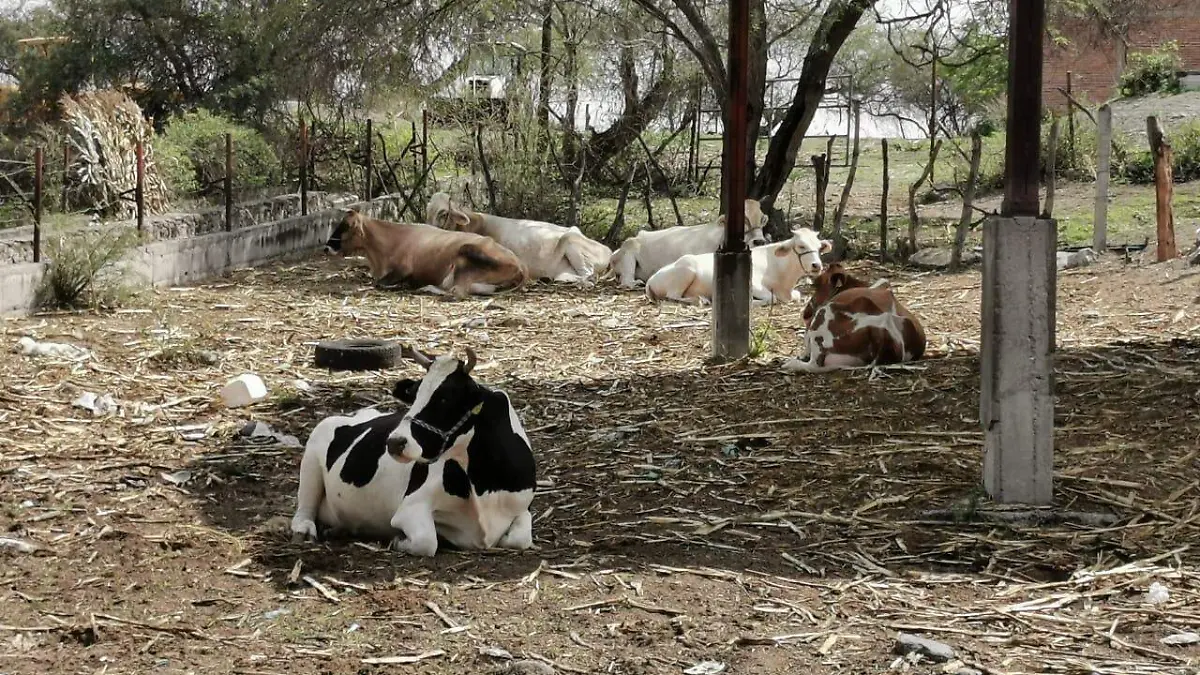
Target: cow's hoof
{"points": [[304, 530], [411, 547]]}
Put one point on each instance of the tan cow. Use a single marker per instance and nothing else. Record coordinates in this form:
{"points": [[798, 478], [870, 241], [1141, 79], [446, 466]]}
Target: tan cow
{"points": [[549, 251], [852, 324], [426, 257]]}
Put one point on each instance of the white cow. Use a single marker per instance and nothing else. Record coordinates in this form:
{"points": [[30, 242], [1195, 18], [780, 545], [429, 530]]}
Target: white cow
{"points": [[549, 251], [776, 270], [650, 250], [457, 465]]}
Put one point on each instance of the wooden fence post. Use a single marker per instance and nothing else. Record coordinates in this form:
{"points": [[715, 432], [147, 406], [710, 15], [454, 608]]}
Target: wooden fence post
{"points": [[229, 182], [883, 205], [37, 204], [1070, 123], [1160, 150], [139, 185], [370, 158], [1051, 170], [425, 141], [303, 168], [1103, 162], [65, 173]]}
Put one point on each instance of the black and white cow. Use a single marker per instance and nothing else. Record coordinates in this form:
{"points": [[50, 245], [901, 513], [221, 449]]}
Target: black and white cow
{"points": [[457, 464]]}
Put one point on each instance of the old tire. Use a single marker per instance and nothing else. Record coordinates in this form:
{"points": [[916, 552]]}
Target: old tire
{"points": [[357, 354]]}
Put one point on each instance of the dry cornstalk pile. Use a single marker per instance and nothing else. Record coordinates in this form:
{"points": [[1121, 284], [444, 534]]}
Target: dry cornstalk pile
{"points": [[103, 129], [690, 518]]}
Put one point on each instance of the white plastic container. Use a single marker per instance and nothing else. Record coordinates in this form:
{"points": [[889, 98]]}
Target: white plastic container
{"points": [[243, 390]]}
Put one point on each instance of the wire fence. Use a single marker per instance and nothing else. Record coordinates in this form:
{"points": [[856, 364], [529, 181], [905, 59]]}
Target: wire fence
{"points": [[24, 184]]}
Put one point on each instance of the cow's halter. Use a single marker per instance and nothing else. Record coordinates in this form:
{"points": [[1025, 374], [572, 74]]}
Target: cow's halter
{"points": [[448, 436], [800, 254]]}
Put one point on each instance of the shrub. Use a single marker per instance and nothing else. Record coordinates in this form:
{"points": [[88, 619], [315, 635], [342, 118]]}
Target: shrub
{"points": [[1153, 71], [193, 148], [86, 269]]}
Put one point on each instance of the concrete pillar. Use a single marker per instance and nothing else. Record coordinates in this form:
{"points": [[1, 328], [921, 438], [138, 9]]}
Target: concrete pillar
{"points": [[1017, 359], [731, 305]]}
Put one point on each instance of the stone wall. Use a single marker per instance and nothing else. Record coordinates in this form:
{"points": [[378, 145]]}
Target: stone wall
{"points": [[16, 244]]}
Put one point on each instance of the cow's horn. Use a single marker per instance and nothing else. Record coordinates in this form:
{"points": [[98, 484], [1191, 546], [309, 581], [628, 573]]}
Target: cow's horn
{"points": [[413, 354], [470, 360]]}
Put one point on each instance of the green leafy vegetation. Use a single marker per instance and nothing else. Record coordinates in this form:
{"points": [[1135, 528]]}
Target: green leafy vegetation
{"points": [[1150, 72]]}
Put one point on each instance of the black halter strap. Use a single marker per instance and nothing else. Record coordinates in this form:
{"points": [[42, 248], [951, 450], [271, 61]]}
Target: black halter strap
{"points": [[448, 436]]}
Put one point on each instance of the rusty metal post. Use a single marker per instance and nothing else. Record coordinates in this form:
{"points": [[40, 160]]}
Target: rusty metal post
{"points": [[229, 182], [1027, 21], [370, 160], [139, 188], [37, 205], [303, 168], [731, 288], [66, 174]]}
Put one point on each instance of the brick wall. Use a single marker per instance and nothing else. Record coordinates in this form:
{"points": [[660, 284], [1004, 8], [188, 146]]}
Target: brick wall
{"points": [[1095, 62]]}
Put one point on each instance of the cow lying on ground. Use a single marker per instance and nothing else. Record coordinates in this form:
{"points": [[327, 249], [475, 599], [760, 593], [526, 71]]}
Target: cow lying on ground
{"points": [[776, 270], [457, 465], [851, 324], [548, 251], [425, 257], [650, 250]]}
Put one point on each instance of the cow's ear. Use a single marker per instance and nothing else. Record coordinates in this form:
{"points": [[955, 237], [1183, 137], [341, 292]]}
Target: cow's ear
{"points": [[837, 279], [459, 219], [406, 390], [826, 246], [783, 252]]}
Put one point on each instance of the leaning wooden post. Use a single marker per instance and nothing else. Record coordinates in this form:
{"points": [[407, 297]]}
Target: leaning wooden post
{"points": [[229, 182], [37, 205], [139, 188], [1103, 162], [303, 168], [883, 206], [370, 159], [1160, 150]]}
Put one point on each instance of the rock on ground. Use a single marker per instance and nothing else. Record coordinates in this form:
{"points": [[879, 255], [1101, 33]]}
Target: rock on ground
{"points": [[931, 649]]}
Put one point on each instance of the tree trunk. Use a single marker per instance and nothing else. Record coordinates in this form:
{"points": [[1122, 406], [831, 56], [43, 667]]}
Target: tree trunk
{"points": [[637, 114], [1051, 170], [543, 106], [837, 23], [571, 72], [883, 206], [968, 196]]}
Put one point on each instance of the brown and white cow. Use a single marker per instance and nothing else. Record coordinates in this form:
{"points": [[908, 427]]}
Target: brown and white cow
{"points": [[548, 251], [428, 258], [851, 324]]}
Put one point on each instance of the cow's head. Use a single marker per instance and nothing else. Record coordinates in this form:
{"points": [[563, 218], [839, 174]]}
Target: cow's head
{"points": [[807, 247], [755, 221], [439, 205], [829, 283], [443, 406], [349, 237]]}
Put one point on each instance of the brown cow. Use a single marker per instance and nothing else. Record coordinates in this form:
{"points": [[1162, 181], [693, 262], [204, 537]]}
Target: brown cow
{"points": [[426, 257], [852, 324]]}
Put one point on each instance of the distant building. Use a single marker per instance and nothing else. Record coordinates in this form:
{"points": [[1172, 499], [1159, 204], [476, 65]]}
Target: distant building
{"points": [[1096, 60]]}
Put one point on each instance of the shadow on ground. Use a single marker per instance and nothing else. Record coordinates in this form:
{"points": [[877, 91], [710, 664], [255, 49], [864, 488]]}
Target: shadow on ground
{"points": [[740, 468]]}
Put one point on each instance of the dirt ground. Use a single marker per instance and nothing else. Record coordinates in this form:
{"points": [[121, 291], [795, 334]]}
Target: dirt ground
{"points": [[687, 513]]}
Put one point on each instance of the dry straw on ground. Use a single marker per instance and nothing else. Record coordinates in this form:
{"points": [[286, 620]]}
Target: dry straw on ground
{"points": [[687, 514]]}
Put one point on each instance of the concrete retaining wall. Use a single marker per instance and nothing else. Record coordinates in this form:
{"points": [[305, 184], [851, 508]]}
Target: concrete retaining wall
{"points": [[16, 243], [18, 284], [194, 259]]}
